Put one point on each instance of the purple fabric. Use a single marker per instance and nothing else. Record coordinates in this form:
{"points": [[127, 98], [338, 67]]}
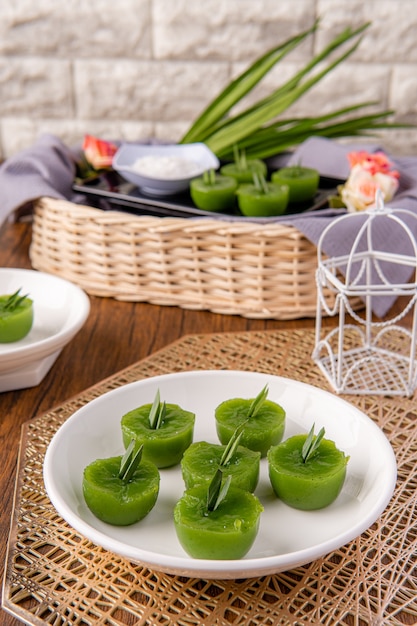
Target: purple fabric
{"points": [[45, 169], [48, 168]]}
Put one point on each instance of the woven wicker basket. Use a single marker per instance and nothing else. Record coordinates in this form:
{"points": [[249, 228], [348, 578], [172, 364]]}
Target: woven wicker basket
{"points": [[241, 268]]}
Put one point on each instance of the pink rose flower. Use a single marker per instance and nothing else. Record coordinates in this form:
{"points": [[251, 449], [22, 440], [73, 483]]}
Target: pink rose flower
{"points": [[99, 153], [369, 172]]}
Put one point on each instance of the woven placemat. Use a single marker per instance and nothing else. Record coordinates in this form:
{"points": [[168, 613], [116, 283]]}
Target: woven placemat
{"points": [[56, 576]]}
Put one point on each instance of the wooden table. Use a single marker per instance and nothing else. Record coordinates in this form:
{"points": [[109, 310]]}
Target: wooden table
{"points": [[116, 335]]}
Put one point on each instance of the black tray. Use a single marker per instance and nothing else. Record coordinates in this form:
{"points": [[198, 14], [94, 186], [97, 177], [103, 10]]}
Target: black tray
{"points": [[111, 191]]}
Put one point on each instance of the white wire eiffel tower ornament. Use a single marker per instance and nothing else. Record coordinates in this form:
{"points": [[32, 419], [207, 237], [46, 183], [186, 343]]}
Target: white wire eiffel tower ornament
{"points": [[369, 355]]}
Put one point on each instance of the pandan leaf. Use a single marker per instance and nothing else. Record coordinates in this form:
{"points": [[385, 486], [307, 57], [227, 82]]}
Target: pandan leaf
{"points": [[258, 402], [130, 461], [311, 443], [157, 412], [13, 301], [240, 86], [258, 128], [217, 490], [232, 444]]}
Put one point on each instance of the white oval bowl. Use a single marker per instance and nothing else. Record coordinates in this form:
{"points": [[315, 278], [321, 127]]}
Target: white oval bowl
{"points": [[128, 154]]}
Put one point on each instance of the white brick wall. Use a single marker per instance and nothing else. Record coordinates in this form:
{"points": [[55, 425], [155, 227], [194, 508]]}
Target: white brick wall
{"points": [[134, 69]]}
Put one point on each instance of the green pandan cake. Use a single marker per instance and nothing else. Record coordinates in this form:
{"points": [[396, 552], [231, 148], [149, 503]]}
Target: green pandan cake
{"points": [[306, 471], [219, 526], [201, 460], [16, 317], [164, 430], [121, 490], [264, 421]]}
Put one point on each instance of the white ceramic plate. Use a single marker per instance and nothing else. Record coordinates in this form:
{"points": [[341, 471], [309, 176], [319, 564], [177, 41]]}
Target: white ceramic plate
{"points": [[287, 537], [197, 153], [60, 309]]}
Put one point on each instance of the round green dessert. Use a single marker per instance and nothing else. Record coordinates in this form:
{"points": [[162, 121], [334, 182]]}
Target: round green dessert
{"points": [[213, 192], [16, 317], [163, 445], [244, 169], [266, 201], [264, 426], [115, 500], [306, 484], [201, 460], [303, 182], [228, 532]]}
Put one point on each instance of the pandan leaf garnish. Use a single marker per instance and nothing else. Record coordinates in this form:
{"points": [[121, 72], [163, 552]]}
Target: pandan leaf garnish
{"points": [[12, 301], [258, 402], [217, 490], [130, 461], [157, 412], [311, 443], [240, 158], [260, 183], [209, 177], [232, 445]]}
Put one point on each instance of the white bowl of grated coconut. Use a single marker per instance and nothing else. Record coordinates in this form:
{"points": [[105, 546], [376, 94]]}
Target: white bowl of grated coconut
{"points": [[163, 169]]}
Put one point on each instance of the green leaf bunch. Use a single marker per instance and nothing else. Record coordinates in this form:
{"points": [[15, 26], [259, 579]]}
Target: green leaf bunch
{"points": [[259, 130]]}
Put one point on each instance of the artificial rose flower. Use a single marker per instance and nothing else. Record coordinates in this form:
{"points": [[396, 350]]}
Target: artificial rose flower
{"points": [[99, 153], [369, 173], [372, 162]]}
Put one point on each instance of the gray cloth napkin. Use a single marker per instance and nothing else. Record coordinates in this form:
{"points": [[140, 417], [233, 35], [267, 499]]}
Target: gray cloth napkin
{"points": [[45, 169], [48, 169]]}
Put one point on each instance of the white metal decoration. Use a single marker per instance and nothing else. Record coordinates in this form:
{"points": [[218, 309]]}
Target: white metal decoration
{"points": [[369, 355]]}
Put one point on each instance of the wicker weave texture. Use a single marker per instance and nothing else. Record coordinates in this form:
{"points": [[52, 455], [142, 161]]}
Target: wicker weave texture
{"points": [[240, 268], [56, 576]]}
